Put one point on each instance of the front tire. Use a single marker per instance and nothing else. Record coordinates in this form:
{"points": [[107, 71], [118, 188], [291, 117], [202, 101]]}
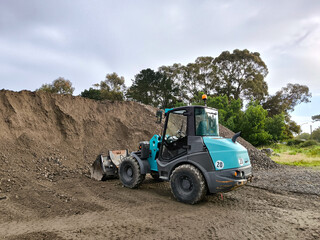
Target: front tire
{"points": [[130, 174], [188, 184]]}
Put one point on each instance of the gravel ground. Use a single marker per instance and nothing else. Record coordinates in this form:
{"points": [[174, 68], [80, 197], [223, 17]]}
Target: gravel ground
{"points": [[289, 179]]}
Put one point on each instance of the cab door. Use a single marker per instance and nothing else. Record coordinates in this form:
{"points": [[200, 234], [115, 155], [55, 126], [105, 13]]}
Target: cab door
{"points": [[175, 138]]}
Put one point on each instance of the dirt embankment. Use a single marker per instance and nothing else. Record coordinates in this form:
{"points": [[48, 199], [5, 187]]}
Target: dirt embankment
{"points": [[45, 135]]}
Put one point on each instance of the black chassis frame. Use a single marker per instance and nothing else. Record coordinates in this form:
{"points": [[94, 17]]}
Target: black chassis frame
{"points": [[198, 156]]}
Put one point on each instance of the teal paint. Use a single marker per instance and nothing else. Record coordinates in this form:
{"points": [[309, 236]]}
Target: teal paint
{"points": [[230, 153], [167, 110], [153, 152]]}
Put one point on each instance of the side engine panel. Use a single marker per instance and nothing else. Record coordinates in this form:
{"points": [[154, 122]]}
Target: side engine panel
{"points": [[154, 152]]}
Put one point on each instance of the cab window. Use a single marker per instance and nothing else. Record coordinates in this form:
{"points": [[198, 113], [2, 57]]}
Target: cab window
{"points": [[206, 121], [175, 136]]}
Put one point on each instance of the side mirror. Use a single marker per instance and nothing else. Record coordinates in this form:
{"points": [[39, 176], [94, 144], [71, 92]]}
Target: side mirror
{"points": [[159, 116]]}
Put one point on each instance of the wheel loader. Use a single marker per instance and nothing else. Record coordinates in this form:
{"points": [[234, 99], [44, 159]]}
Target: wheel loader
{"points": [[189, 154]]}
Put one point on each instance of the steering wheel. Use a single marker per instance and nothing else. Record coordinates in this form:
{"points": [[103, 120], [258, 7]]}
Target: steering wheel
{"points": [[169, 139]]}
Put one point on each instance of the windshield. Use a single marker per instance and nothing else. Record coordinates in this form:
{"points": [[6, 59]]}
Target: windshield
{"points": [[206, 122]]}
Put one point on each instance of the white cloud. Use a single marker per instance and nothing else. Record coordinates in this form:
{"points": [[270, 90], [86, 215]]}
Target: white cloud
{"points": [[50, 34]]}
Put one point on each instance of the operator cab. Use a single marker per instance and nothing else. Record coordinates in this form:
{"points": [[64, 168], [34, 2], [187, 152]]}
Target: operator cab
{"points": [[184, 122], [175, 142]]}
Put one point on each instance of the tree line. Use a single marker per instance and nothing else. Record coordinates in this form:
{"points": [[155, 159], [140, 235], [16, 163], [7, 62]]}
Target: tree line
{"points": [[235, 85]]}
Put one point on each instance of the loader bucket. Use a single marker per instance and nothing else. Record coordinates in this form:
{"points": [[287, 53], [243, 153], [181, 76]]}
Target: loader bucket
{"points": [[96, 169], [106, 167]]}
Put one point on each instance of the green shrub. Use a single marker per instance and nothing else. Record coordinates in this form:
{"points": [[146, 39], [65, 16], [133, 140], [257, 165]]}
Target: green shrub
{"points": [[308, 143], [293, 142]]}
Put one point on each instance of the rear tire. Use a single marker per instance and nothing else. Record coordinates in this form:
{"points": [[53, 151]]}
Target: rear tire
{"points": [[188, 184], [130, 174]]}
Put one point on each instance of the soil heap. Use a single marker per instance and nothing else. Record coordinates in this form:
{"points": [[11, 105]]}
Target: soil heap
{"points": [[45, 135]]}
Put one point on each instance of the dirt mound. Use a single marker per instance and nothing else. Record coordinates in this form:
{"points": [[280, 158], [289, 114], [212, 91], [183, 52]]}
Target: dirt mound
{"points": [[44, 135]]}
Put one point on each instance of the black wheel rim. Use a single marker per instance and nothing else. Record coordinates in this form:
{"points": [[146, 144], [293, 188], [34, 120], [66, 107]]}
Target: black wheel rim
{"points": [[128, 173], [185, 184]]}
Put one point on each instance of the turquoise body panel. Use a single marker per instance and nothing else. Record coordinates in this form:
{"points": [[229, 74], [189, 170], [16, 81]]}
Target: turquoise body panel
{"points": [[232, 155], [167, 110], [153, 152]]}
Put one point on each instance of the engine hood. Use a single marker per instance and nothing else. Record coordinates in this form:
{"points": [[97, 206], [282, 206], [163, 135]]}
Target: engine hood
{"points": [[226, 154]]}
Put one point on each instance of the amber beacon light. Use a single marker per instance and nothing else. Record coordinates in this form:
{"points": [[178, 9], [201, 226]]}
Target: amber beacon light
{"points": [[204, 98]]}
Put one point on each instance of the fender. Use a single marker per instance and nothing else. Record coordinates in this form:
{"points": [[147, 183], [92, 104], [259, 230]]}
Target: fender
{"points": [[144, 165], [200, 160]]}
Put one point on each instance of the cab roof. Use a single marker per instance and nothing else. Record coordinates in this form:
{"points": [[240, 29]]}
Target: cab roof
{"points": [[167, 110]]}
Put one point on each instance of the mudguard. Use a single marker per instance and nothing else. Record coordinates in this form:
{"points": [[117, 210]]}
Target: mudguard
{"points": [[144, 164]]}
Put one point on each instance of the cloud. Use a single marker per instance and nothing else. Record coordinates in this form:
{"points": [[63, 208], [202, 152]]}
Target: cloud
{"points": [[84, 41]]}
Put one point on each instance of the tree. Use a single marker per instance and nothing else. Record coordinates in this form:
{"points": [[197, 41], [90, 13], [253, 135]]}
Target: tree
{"points": [[192, 78], [153, 88], [237, 75], [316, 117], [142, 88], [59, 86], [46, 88], [206, 74], [92, 94], [276, 127], [285, 100], [166, 91], [63, 86], [241, 74], [198, 77], [252, 125], [112, 88], [305, 136], [175, 73], [115, 82], [190, 84], [316, 134]]}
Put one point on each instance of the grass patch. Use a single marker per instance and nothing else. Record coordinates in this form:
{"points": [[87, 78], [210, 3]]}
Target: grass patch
{"points": [[297, 159], [310, 151], [313, 152], [297, 155], [303, 163]]}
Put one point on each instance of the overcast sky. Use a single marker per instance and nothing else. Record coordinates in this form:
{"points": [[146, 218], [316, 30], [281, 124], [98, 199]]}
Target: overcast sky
{"points": [[84, 40]]}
